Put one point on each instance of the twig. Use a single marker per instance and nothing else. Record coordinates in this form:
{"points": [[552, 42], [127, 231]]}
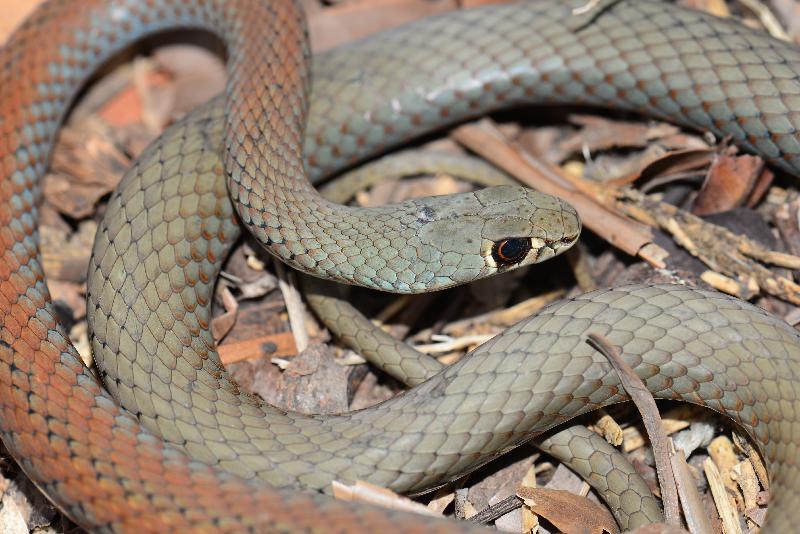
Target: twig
{"points": [[730, 523], [780, 259], [362, 491], [754, 457], [588, 6], [448, 344], [693, 508], [498, 509], [294, 306], [767, 19], [646, 405], [723, 251], [391, 310]]}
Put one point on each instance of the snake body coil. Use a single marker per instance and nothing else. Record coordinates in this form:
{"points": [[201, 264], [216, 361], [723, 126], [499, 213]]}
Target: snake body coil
{"points": [[109, 472]]}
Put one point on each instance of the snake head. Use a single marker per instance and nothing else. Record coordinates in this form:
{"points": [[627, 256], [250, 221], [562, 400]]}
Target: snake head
{"points": [[479, 234]]}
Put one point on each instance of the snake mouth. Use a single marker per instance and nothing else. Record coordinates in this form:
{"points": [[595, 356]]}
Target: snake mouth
{"points": [[552, 248], [564, 243]]}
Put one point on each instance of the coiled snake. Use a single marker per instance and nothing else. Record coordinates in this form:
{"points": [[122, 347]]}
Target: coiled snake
{"points": [[151, 281]]}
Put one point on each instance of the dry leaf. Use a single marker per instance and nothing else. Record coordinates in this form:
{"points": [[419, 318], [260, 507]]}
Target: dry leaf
{"points": [[86, 166], [728, 183], [348, 22], [66, 256], [598, 133], [71, 293], [259, 287], [670, 164], [11, 518], [570, 513]]}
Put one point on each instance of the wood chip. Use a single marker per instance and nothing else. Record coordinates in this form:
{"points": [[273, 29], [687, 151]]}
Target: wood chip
{"points": [[725, 503], [717, 247], [745, 477], [725, 458], [272, 345], [570, 513], [609, 429], [755, 459], [673, 420]]}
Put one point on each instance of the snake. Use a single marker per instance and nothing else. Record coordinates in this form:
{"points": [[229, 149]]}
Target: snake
{"points": [[584, 451], [113, 471]]}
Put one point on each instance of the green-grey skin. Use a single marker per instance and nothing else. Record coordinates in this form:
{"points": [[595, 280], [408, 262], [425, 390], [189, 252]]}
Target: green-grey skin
{"points": [[411, 163], [155, 260], [585, 452], [152, 281]]}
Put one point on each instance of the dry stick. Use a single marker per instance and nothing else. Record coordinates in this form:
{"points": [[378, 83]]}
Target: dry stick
{"points": [[497, 510], [644, 402], [632, 237], [693, 507], [588, 6], [720, 249], [767, 19], [755, 459], [294, 306], [363, 491], [722, 499], [444, 343]]}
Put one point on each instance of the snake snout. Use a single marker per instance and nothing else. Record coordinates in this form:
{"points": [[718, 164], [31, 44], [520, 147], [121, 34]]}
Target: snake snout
{"points": [[570, 227]]}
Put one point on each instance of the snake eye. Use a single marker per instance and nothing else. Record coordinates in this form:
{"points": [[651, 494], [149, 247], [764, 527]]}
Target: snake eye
{"points": [[511, 250]]}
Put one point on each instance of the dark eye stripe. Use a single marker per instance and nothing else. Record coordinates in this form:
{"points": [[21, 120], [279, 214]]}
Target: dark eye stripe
{"points": [[511, 250]]}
